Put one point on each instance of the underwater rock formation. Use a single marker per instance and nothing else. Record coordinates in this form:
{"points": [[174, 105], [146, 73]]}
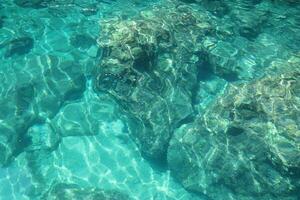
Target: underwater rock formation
{"points": [[151, 69], [74, 192], [7, 144], [67, 80], [243, 34], [16, 117], [32, 3], [82, 41], [88, 113], [247, 144], [26, 103], [19, 46]]}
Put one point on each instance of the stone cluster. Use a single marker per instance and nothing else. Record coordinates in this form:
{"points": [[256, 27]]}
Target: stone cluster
{"points": [[208, 89], [246, 144]]}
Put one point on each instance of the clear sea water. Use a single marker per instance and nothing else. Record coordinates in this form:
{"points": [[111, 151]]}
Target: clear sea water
{"points": [[54, 126]]}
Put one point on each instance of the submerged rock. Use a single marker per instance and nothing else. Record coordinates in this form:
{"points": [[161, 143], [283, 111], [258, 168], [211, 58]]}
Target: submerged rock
{"points": [[7, 143], [247, 144], [31, 92], [74, 192], [66, 80], [216, 7], [16, 116], [82, 41], [32, 3], [151, 69], [19, 46], [82, 118]]}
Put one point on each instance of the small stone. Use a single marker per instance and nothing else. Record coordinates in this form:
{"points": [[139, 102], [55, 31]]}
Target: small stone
{"points": [[93, 51]]}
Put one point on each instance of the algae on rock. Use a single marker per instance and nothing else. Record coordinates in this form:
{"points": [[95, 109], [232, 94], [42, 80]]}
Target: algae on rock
{"points": [[247, 144], [151, 69]]}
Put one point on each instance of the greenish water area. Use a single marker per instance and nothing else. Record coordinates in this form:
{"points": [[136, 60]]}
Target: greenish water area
{"points": [[149, 100]]}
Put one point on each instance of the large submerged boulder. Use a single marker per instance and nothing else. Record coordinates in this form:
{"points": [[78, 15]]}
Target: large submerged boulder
{"points": [[246, 145], [150, 67]]}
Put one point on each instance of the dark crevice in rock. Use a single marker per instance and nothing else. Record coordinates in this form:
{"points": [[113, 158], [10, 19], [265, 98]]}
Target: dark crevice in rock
{"points": [[186, 120], [160, 164], [210, 64], [205, 70], [234, 131], [143, 62]]}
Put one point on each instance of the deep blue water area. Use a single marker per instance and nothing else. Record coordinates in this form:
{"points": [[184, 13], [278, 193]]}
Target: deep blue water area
{"points": [[149, 99]]}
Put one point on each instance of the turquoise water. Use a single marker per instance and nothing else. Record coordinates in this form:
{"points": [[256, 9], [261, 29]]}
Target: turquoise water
{"points": [[150, 100]]}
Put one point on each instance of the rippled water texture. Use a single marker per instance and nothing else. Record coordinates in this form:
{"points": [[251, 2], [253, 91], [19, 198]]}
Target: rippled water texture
{"points": [[150, 100]]}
